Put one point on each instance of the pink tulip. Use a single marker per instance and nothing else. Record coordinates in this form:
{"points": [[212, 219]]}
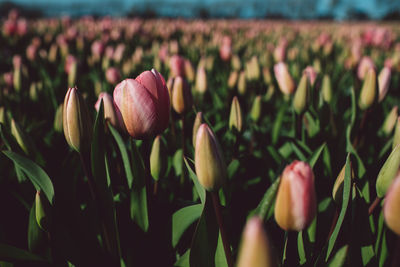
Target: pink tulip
{"points": [[392, 205], [295, 205], [177, 65], [22, 27], [113, 75], [384, 82], [69, 62], [144, 104], [111, 113], [8, 78], [97, 49], [365, 64], [225, 51], [311, 74], [284, 79]]}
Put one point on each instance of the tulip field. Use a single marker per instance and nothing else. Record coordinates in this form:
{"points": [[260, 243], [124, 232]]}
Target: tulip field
{"points": [[170, 142]]}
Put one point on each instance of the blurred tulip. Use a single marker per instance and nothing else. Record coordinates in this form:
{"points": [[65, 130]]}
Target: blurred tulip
{"points": [[369, 90], [235, 117], [110, 112], [384, 82], [326, 89], [157, 159], [8, 79], [77, 124], [97, 49], [390, 121], [301, 96], [209, 163], [52, 55], [144, 104], [189, 71], [391, 205], [255, 249], [225, 50], [388, 172], [233, 77], [311, 74], [177, 65], [365, 65], [242, 85], [181, 95], [113, 75], [201, 80], [252, 69], [199, 120], [285, 81], [255, 112], [58, 119], [3, 115], [236, 63], [267, 76], [295, 205]]}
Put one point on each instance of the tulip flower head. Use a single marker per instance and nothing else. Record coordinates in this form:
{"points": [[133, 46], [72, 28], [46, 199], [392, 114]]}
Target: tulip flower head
{"points": [[110, 112], [392, 206], [284, 79], [144, 104], [295, 205]]}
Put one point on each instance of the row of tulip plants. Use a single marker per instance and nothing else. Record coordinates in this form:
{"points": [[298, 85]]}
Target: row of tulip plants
{"points": [[130, 142]]}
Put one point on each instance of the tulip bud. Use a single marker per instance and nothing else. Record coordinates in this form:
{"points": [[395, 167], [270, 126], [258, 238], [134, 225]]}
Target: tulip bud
{"points": [[72, 73], [181, 95], [326, 89], [388, 172], [252, 69], [33, 94], [110, 112], [235, 117], [255, 112], [20, 136], [391, 206], [58, 119], [157, 159], [201, 80], [41, 211], [390, 121], [197, 122], [233, 77], [285, 81], [301, 96], [270, 92], [236, 63], [77, 124], [209, 163], [3, 117], [267, 76], [396, 137], [17, 78], [255, 249], [365, 65], [113, 75], [242, 86], [189, 71], [384, 82], [144, 104], [177, 66], [337, 192], [295, 205], [368, 90]]}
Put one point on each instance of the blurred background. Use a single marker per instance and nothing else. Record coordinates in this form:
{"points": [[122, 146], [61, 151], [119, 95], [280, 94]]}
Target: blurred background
{"points": [[272, 9]]}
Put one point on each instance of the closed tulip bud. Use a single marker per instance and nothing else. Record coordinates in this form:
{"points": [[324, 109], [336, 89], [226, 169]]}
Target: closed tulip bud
{"points": [[326, 89], [33, 94], [369, 90], [295, 205], [242, 85], [270, 92], [3, 117], [396, 137], [42, 211], [300, 100], [58, 119], [255, 249], [267, 76], [72, 73], [311, 74], [157, 159], [235, 117], [181, 96], [252, 69], [233, 77], [365, 65], [17, 78], [201, 80], [110, 112], [199, 120], [113, 75], [77, 124], [20, 136], [177, 66], [391, 206], [209, 163], [235, 62], [255, 112], [388, 172], [390, 121], [144, 104], [337, 192], [384, 82], [189, 71], [285, 81]]}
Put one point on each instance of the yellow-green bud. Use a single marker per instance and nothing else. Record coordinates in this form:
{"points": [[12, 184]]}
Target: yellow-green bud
{"points": [[33, 92], [72, 74], [235, 62], [157, 159], [41, 211], [235, 117], [3, 117], [326, 89], [267, 76], [209, 163], [337, 192], [17, 79], [252, 69], [390, 121], [199, 120], [233, 77], [369, 90], [242, 86], [255, 249], [58, 119], [181, 95], [76, 121], [388, 172], [255, 112], [300, 99], [19, 136]]}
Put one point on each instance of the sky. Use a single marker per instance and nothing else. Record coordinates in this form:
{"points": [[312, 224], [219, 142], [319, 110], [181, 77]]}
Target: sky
{"points": [[293, 9]]}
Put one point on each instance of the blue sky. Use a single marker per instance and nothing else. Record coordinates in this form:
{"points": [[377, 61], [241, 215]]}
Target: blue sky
{"points": [[295, 9]]}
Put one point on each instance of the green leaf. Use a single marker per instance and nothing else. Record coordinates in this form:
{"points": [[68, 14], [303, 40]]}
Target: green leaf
{"points": [[182, 219], [298, 152], [300, 248], [183, 261], [124, 154], [233, 167], [268, 199], [177, 162], [199, 188], [35, 173], [315, 156], [13, 254], [345, 202], [340, 257], [278, 123], [36, 236], [220, 258]]}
